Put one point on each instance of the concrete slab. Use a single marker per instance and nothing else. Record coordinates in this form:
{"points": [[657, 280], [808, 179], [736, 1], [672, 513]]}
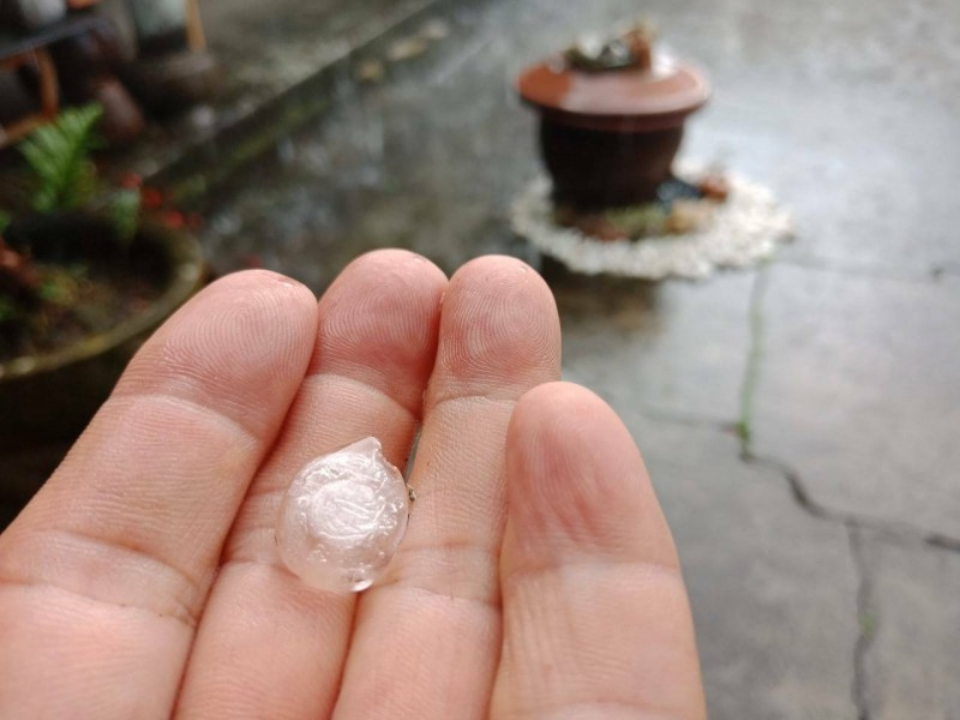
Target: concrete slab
{"points": [[849, 119], [848, 111], [677, 349], [867, 172], [911, 660], [849, 115], [860, 393], [264, 50], [773, 589]]}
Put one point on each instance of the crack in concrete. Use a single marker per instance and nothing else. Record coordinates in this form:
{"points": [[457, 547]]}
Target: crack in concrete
{"points": [[701, 422], [918, 275], [868, 623], [903, 532], [798, 489], [855, 524], [946, 270]]}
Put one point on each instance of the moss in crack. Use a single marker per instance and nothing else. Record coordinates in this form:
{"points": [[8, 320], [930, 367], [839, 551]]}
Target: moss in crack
{"points": [[745, 424]]}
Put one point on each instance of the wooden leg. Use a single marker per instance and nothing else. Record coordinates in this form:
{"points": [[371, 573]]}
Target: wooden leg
{"points": [[49, 88], [49, 95], [195, 36]]}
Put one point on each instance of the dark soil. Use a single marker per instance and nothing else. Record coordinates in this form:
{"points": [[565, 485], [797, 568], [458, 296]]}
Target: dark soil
{"points": [[75, 301]]}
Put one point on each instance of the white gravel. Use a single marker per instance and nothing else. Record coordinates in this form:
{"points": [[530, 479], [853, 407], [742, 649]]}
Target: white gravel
{"points": [[745, 230]]}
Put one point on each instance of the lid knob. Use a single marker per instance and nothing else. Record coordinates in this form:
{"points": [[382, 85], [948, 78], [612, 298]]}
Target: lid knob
{"points": [[640, 42], [631, 50]]}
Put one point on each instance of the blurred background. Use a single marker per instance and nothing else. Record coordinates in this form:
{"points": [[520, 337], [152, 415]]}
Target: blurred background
{"points": [[800, 418]]}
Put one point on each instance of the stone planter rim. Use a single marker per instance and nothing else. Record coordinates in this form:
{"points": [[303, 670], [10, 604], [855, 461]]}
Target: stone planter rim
{"points": [[186, 278]]}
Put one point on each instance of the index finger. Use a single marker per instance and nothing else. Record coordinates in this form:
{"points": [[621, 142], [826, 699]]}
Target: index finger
{"points": [[104, 575]]}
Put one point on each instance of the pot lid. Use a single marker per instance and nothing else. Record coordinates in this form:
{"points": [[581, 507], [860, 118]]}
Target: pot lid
{"points": [[649, 89]]}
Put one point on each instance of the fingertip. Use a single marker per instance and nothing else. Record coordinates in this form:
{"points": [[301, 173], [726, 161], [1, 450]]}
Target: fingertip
{"points": [[287, 291], [388, 280], [392, 261], [562, 411], [257, 297], [561, 427], [500, 330], [379, 323], [242, 343], [596, 615], [577, 481]]}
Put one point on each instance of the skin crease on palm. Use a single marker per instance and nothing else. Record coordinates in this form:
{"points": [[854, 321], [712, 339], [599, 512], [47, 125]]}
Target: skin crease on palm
{"points": [[537, 579]]}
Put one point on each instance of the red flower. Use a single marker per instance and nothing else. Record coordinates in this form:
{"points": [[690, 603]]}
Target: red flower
{"points": [[131, 181], [151, 197], [172, 219]]}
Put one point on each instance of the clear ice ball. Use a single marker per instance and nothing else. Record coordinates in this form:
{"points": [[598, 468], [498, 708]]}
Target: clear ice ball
{"points": [[343, 518]]}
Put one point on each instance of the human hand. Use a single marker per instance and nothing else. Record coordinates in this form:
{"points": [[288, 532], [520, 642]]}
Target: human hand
{"points": [[537, 579]]}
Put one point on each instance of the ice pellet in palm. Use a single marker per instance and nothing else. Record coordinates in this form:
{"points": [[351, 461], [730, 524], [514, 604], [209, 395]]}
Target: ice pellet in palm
{"points": [[343, 518]]}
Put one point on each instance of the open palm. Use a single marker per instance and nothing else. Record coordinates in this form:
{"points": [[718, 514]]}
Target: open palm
{"points": [[537, 579]]}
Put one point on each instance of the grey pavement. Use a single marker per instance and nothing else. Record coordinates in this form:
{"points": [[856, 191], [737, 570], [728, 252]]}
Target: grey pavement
{"points": [[911, 613], [774, 590], [860, 392], [648, 347], [801, 423], [821, 555]]}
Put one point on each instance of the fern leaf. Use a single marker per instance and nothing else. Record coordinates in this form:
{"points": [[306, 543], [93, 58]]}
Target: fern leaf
{"points": [[125, 213], [59, 156]]}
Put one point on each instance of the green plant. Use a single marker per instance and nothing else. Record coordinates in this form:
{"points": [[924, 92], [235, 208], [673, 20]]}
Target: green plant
{"points": [[125, 206], [639, 221], [59, 155], [8, 309], [65, 179]]}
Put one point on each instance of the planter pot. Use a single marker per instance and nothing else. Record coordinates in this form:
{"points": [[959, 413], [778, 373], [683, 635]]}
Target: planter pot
{"points": [[47, 400], [609, 137], [86, 68], [174, 81], [160, 25], [122, 123], [598, 169], [33, 14], [84, 58]]}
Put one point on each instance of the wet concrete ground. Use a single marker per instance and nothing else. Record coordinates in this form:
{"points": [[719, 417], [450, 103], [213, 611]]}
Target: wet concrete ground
{"points": [[799, 421], [822, 548]]}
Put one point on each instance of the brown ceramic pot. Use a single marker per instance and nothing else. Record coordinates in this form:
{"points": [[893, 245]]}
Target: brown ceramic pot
{"points": [[86, 71], [170, 83], [609, 138]]}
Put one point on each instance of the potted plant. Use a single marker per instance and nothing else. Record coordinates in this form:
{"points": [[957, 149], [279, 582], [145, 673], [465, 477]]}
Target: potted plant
{"points": [[173, 69], [85, 276]]}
